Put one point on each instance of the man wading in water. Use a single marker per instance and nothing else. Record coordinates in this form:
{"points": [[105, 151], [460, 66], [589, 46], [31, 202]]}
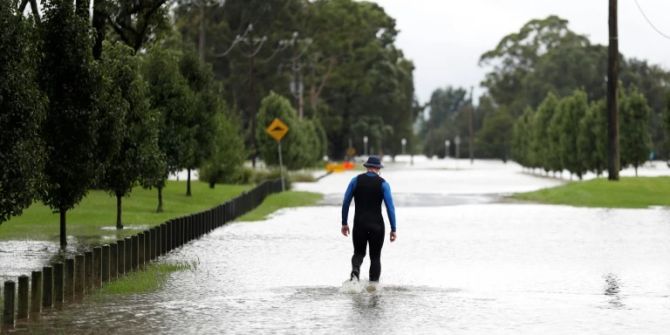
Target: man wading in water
{"points": [[368, 190]]}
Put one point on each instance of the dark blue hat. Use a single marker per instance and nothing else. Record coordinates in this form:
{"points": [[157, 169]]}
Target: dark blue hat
{"points": [[374, 162]]}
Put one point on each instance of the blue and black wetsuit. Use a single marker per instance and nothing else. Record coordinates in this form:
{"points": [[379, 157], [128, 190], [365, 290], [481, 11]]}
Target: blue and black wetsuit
{"points": [[368, 190]]}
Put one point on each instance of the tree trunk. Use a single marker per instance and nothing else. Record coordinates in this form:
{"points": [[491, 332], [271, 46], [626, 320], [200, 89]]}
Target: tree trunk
{"points": [[635, 170], [63, 233], [188, 183], [160, 200], [119, 209], [212, 184], [612, 86], [99, 24]]}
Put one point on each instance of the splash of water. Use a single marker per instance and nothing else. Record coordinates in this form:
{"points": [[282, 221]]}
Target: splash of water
{"points": [[359, 286]]}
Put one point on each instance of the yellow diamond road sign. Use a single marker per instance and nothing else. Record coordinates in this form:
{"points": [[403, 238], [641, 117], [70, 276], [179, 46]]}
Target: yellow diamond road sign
{"points": [[277, 129]]}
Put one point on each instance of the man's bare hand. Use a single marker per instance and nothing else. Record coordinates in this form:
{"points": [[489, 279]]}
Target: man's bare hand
{"points": [[393, 236], [345, 230]]}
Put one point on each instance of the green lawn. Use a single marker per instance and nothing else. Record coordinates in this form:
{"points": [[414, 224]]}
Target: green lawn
{"points": [[149, 280], [637, 192], [281, 200], [94, 218]]}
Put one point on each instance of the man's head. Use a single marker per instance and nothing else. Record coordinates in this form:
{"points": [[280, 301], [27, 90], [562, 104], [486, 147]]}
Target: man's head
{"points": [[374, 164]]}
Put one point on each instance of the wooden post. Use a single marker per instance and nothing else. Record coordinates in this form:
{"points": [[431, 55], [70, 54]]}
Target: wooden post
{"points": [[69, 280], [47, 286], [97, 267], [36, 292], [88, 270], [613, 158], [8, 311], [105, 263], [147, 247], [140, 251], [135, 251], [59, 292], [24, 295], [121, 259], [163, 238], [79, 276], [129, 255]]}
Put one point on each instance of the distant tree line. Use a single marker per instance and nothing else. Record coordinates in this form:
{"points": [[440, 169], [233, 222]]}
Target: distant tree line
{"points": [[543, 57], [570, 133]]}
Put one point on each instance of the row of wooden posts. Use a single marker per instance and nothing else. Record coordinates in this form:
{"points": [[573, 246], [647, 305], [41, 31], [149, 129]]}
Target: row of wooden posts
{"points": [[67, 282]]}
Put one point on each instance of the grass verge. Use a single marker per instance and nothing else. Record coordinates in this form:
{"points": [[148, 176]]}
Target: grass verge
{"points": [[95, 215], [281, 200], [149, 280], [636, 192]]}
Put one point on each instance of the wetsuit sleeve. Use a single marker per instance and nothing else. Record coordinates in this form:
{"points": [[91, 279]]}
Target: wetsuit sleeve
{"points": [[348, 195], [388, 201]]}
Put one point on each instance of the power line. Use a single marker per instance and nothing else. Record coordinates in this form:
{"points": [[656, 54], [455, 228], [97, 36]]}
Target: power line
{"points": [[649, 21]]}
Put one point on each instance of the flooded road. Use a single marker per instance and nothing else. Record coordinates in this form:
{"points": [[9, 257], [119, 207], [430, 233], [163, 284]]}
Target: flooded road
{"points": [[463, 263]]}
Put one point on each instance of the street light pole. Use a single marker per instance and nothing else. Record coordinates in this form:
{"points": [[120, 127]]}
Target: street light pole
{"points": [[447, 144], [403, 142]]}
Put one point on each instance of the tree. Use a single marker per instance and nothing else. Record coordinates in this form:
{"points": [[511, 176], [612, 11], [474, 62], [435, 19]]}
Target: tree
{"points": [[136, 149], [171, 97], [592, 138], [22, 108], [493, 140], [548, 133], [207, 105], [228, 152], [571, 110], [299, 144], [70, 78], [522, 139], [635, 139]]}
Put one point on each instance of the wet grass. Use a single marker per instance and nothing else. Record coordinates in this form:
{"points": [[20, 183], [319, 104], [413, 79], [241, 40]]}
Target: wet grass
{"points": [[149, 280], [281, 200], [634, 192], [98, 210]]}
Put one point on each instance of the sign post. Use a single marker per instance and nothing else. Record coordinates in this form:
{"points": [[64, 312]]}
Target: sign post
{"points": [[277, 130]]}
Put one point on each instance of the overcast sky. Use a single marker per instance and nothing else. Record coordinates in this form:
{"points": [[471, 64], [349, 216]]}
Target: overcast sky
{"points": [[445, 38]]}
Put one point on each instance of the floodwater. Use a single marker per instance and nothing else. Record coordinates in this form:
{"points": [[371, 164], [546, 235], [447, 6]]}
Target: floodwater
{"points": [[464, 263]]}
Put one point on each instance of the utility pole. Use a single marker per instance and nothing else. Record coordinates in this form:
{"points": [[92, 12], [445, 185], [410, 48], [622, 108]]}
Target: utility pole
{"points": [[471, 145], [612, 86]]}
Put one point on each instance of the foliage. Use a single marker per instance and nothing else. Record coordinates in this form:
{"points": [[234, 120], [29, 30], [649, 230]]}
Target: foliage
{"points": [[171, 97], [343, 53], [71, 80], [228, 153], [134, 126], [546, 56], [592, 138], [22, 108], [571, 110], [300, 146], [493, 140], [635, 140]]}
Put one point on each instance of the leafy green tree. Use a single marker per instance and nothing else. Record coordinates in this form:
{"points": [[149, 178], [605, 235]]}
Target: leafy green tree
{"points": [[494, 139], [207, 105], [300, 143], [521, 139], [548, 133], [592, 138], [70, 78], [22, 108], [635, 140], [172, 98], [137, 141], [228, 152], [571, 111]]}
